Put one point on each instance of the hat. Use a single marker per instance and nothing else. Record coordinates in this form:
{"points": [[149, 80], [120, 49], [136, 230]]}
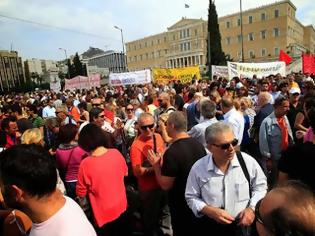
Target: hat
{"points": [[295, 90]]}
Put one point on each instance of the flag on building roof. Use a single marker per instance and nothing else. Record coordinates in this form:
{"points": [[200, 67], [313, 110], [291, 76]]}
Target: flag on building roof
{"points": [[285, 57], [186, 6]]}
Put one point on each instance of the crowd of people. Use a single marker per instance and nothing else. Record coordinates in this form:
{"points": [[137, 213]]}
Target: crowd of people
{"points": [[211, 157]]}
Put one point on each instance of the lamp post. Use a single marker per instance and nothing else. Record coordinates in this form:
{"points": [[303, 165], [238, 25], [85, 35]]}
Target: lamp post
{"points": [[123, 45], [66, 61], [241, 21]]}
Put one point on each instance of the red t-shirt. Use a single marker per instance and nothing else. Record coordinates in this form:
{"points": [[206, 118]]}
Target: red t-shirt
{"points": [[102, 178], [138, 154]]}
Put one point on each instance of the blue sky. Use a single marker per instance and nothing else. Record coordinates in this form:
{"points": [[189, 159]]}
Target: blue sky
{"points": [[137, 18]]}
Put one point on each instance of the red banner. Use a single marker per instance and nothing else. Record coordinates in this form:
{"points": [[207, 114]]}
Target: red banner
{"points": [[308, 63], [82, 82]]}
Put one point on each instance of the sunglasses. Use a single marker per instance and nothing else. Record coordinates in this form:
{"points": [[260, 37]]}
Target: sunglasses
{"points": [[101, 116], [129, 109], [257, 213], [226, 146], [144, 127]]}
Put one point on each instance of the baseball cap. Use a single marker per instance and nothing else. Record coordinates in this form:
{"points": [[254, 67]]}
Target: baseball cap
{"points": [[295, 90]]}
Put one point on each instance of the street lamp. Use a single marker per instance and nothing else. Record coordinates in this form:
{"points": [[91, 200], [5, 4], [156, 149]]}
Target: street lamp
{"points": [[66, 61], [122, 42]]}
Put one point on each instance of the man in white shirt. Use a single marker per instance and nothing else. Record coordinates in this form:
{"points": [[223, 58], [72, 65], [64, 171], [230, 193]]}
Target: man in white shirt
{"points": [[208, 110], [28, 183], [224, 186], [49, 110], [233, 117]]}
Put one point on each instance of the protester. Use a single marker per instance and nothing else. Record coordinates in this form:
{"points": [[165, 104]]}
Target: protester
{"points": [[28, 183], [101, 180], [224, 186]]}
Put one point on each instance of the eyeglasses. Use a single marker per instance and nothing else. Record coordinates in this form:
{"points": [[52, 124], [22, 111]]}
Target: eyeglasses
{"points": [[257, 213], [226, 145], [144, 127], [129, 109]]}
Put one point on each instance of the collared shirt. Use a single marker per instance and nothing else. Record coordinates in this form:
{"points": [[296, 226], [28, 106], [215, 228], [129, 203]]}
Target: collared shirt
{"points": [[236, 120], [198, 131], [49, 112], [208, 185]]}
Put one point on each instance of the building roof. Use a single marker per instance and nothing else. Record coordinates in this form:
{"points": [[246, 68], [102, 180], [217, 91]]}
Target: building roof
{"points": [[259, 8], [183, 22], [91, 52]]}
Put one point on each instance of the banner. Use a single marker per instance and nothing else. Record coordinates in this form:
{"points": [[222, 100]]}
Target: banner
{"points": [[83, 82], [220, 71], [185, 74], [308, 63], [136, 77], [244, 70], [55, 86]]}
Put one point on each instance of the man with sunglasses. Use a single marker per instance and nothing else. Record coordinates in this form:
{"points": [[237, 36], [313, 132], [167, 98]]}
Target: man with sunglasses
{"points": [[155, 212], [217, 187]]}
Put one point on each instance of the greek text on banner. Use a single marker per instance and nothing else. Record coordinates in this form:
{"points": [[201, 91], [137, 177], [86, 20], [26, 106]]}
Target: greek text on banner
{"points": [[128, 78], [260, 69], [185, 74]]}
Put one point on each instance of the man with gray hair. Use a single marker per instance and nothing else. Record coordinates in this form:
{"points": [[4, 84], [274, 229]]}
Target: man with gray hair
{"points": [[208, 111], [224, 186], [172, 173]]}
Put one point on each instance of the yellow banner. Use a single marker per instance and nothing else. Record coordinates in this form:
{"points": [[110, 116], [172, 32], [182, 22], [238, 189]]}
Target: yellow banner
{"points": [[185, 74]]}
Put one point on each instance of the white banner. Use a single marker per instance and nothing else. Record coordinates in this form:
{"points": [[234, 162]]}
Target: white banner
{"points": [[243, 70], [55, 86], [136, 77], [220, 71]]}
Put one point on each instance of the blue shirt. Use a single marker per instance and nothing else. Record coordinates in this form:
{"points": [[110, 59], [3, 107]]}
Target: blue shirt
{"points": [[208, 185]]}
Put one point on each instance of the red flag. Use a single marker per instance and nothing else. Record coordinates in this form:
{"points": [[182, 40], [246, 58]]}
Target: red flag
{"points": [[308, 63], [284, 57]]}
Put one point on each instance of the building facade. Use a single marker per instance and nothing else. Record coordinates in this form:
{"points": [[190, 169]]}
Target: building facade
{"points": [[11, 70], [266, 30], [114, 61]]}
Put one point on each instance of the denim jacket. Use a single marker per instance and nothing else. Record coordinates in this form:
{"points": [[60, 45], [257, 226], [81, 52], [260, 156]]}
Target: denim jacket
{"points": [[270, 137]]}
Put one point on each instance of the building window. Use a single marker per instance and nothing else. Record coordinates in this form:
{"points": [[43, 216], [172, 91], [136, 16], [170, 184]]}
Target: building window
{"points": [[185, 47], [140, 46], [140, 57], [276, 32], [135, 47], [228, 40], [187, 32], [251, 54], [239, 38], [146, 56], [250, 19], [276, 51], [251, 37], [145, 44], [263, 16], [263, 52], [158, 41], [135, 58], [181, 47], [276, 13], [263, 34], [165, 51], [196, 32], [174, 37], [164, 39], [188, 46], [129, 59], [152, 55], [228, 24], [152, 43], [239, 22]]}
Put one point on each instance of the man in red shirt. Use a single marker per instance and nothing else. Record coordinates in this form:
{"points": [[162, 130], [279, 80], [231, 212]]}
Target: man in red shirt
{"points": [[9, 126], [155, 208]]}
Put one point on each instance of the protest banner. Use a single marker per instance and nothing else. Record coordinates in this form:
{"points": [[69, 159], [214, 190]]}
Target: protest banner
{"points": [[185, 74], [55, 86], [220, 71], [83, 82], [128, 78], [244, 70]]}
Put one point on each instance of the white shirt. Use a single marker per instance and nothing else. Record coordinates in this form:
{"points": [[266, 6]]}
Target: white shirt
{"points": [[236, 120], [49, 112], [69, 220], [208, 185], [198, 131]]}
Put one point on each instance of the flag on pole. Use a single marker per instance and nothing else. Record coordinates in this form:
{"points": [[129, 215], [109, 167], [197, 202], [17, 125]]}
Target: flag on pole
{"points": [[186, 5], [284, 57]]}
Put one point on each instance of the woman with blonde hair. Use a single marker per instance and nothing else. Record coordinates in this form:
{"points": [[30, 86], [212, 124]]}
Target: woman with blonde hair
{"points": [[33, 136]]}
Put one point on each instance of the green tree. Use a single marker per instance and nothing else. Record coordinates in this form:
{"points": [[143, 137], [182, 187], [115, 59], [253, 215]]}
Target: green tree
{"points": [[217, 55], [78, 67]]}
